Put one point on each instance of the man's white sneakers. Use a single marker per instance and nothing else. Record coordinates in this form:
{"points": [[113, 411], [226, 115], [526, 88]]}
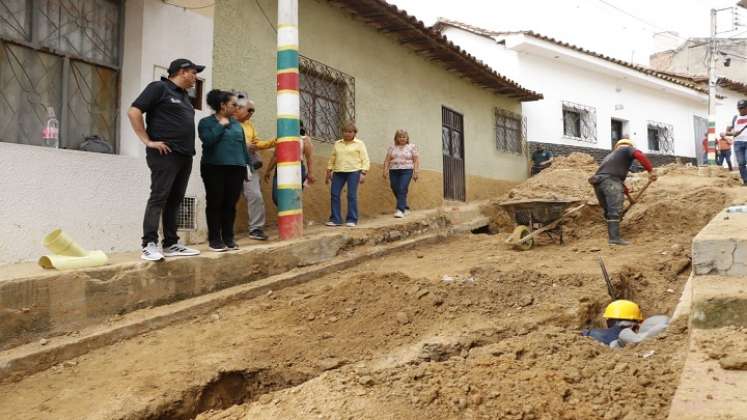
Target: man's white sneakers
{"points": [[399, 214], [151, 252], [177, 250]]}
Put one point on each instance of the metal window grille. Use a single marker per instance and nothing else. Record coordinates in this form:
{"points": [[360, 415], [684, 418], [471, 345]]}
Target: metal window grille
{"points": [[452, 141], [510, 132], [327, 99], [186, 218], [579, 122], [68, 60], [660, 138]]}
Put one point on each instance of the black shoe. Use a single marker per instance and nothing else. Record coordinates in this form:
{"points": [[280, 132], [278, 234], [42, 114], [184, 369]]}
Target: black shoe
{"points": [[232, 245], [218, 247], [258, 235]]}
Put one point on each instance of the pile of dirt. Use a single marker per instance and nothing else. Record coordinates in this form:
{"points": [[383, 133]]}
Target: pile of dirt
{"points": [[544, 374], [566, 179], [663, 211]]}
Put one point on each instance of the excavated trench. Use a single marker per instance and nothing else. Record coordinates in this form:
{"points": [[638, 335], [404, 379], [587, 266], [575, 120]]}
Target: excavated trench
{"points": [[225, 390], [458, 298]]}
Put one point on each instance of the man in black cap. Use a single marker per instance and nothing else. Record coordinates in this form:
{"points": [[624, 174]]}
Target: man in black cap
{"points": [[169, 137]]}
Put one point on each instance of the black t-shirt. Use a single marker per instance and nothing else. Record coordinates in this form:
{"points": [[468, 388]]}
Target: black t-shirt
{"points": [[169, 116], [617, 163]]}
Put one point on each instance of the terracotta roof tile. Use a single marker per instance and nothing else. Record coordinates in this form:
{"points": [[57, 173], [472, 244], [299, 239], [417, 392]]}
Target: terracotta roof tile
{"points": [[645, 70], [427, 42]]}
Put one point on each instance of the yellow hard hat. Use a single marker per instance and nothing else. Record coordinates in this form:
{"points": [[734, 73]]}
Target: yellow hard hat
{"points": [[622, 142], [623, 309]]}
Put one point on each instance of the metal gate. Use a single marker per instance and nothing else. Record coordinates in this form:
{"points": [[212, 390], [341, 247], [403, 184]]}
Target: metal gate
{"points": [[452, 140]]}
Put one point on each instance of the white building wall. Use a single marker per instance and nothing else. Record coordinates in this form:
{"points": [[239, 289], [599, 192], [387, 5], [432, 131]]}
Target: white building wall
{"points": [[612, 97], [99, 199]]}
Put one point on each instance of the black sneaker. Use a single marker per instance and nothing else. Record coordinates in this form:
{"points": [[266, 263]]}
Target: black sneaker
{"points": [[258, 235], [232, 245], [218, 247]]}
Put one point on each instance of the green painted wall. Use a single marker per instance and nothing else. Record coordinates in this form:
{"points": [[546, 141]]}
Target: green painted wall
{"points": [[395, 88]]}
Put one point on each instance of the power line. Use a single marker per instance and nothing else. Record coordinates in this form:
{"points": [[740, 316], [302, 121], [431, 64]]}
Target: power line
{"points": [[663, 31]]}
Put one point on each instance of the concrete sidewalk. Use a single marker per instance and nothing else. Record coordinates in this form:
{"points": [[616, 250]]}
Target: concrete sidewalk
{"points": [[45, 312], [716, 304]]}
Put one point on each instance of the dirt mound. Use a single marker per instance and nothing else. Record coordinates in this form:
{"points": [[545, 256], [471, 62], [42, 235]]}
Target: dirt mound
{"points": [[665, 211], [566, 178], [546, 374], [574, 160]]}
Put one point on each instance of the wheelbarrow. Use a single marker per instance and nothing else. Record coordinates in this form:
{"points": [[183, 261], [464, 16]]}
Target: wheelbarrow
{"points": [[538, 216]]}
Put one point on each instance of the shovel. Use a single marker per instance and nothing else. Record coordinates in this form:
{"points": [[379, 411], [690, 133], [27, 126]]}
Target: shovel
{"points": [[637, 197], [610, 287]]}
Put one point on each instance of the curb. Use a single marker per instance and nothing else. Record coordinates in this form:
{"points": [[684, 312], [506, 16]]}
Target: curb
{"points": [[31, 358]]}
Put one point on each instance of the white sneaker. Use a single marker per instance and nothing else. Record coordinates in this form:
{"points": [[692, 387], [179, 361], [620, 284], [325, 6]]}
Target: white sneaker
{"points": [[332, 224], [177, 250], [151, 252], [398, 214], [350, 224], [407, 211]]}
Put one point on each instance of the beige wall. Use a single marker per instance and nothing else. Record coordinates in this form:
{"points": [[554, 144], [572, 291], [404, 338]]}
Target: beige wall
{"points": [[395, 88]]}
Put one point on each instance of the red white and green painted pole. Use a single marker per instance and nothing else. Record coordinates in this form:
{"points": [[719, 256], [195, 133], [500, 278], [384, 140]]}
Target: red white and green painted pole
{"points": [[288, 149]]}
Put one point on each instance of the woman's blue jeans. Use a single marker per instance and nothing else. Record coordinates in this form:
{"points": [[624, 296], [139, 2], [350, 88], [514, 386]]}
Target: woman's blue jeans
{"points": [[339, 179], [399, 180]]}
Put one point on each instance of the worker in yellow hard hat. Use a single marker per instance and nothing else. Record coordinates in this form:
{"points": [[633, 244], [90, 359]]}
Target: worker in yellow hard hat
{"points": [[620, 314], [609, 184]]}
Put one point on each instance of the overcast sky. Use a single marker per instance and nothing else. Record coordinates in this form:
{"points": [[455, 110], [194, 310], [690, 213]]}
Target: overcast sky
{"points": [[622, 28]]}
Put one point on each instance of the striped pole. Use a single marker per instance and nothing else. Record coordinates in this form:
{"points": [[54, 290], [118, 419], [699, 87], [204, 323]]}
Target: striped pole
{"points": [[711, 140], [288, 149]]}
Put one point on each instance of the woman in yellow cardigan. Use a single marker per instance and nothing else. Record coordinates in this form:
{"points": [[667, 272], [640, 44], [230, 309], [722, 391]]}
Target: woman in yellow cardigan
{"points": [[348, 164]]}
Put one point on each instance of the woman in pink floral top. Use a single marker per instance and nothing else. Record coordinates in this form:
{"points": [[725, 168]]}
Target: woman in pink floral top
{"points": [[401, 165]]}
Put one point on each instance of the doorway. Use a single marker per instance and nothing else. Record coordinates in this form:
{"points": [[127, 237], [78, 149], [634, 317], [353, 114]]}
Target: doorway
{"points": [[617, 131], [452, 141]]}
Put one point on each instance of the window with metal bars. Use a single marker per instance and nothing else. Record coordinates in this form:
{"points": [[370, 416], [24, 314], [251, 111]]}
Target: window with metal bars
{"points": [[579, 122], [327, 99], [509, 132], [67, 61], [660, 138]]}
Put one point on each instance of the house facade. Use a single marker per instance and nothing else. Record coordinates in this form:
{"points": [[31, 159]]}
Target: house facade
{"points": [[86, 60], [370, 62], [591, 100]]}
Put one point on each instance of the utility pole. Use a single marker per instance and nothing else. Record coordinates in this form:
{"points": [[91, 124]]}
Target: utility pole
{"points": [[713, 77], [712, 83], [288, 149]]}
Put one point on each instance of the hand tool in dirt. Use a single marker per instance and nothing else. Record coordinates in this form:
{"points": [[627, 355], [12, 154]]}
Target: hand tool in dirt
{"points": [[610, 287], [522, 238], [637, 197]]}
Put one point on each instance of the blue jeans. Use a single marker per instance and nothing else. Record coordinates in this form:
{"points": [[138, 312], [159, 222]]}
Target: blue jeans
{"points": [[339, 179], [724, 155], [399, 179], [740, 150]]}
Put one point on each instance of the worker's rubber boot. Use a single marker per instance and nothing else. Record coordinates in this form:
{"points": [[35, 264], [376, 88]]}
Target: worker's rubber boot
{"points": [[613, 230]]}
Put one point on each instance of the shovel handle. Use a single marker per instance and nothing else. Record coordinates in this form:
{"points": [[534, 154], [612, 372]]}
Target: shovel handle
{"points": [[637, 197]]}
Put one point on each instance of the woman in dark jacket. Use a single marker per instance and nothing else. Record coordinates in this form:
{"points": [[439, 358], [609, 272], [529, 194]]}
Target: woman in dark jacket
{"points": [[223, 168]]}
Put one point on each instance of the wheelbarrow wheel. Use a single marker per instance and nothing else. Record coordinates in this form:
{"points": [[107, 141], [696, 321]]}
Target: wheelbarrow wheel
{"points": [[520, 232]]}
